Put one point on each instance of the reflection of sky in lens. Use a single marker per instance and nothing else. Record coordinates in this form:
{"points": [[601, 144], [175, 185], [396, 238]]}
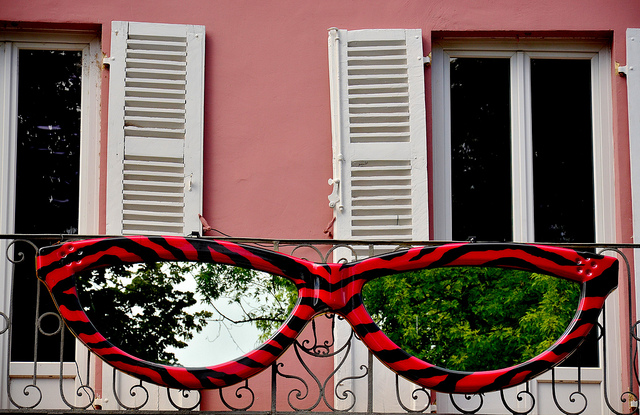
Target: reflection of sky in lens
{"points": [[216, 343]]}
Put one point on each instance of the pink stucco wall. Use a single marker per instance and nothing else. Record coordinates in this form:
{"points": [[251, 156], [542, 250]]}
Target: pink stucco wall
{"points": [[267, 126], [267, 118]]}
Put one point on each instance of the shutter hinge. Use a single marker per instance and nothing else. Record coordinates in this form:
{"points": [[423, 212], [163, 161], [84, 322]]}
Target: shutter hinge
{"points": [[334, 197], [108, 60], [622, 70], [426, 60]]}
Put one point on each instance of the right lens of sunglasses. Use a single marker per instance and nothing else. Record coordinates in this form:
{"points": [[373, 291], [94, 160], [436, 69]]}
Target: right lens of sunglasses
{"points": [[472, 318]]}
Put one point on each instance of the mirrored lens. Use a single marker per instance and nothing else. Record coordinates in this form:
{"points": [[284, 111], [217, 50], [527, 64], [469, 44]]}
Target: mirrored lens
{"points": [[472, 318], [185, 313]]}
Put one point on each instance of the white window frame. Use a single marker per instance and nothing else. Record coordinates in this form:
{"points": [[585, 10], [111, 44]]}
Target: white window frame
{"points": [[520, 52], [11, 42]]}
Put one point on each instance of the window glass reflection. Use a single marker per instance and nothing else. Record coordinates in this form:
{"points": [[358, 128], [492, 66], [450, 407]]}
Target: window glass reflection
{"points": [[481, 149], [47, 182], [562, 150]]}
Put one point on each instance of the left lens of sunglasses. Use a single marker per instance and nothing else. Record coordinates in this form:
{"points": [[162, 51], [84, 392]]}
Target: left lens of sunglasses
{"points": [[185, 313]]}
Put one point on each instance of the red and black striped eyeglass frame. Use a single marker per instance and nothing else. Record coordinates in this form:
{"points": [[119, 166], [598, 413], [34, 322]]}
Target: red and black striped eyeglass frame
{"points": [[325, 288]]}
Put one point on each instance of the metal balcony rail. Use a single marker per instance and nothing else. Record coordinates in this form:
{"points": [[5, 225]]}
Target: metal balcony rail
{"points": [[327, 370]]}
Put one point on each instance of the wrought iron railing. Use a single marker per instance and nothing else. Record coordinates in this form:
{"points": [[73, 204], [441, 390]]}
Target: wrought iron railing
{"points": [[327, 369]]}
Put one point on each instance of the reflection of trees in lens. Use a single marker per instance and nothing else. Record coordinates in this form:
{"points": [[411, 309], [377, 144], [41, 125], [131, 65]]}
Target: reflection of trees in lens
{"points": [[148, 311], [139, 309], [261, 299], [472, 318]]}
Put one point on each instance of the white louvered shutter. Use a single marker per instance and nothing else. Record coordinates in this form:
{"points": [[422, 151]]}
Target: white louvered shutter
{"points": [[379, 134], [156, 96]]}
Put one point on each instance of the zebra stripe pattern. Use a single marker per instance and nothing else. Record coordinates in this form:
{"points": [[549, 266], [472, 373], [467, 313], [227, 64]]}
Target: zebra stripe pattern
{"points": [[325, 288]]}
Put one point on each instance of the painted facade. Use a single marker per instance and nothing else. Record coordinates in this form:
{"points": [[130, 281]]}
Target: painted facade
{"points": [[269, 111]]}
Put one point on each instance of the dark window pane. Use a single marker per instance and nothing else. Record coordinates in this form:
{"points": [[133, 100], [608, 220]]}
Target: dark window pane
{"points": [[48, 141], [563, 162], [562, 150], [481, 149], [47, 182]]}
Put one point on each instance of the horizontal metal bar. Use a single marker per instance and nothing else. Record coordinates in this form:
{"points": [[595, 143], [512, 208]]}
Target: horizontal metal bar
{"points": [[249, 240]]}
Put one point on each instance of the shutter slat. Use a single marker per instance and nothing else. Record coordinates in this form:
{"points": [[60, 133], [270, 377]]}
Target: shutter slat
{"points": [[395, 233], [376, 60], [154, 54], [155, 112], [137, 102], [378, 94], [398, 68], [165, 83], [145, 196], [153, 71], [380, 124], [164, 45], [136, 91], [381, 220], [162, 216], [159, 226], [378, 177], [374, 88], [149, 174], [161, 62], [380, 211], [151, 205], [398, 203], [153, 164], [153, 132], [140, 121], [376, 76], [153, 183]]}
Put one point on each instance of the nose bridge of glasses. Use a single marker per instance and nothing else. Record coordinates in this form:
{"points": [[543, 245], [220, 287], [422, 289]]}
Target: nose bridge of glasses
{"points": [[330, 287]]}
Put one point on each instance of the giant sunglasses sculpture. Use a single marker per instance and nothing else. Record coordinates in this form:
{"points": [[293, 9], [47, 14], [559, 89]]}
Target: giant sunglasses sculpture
{"points": [[326, 288]]}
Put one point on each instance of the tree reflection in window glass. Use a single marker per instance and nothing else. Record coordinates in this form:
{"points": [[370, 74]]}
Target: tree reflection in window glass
{"points": [[562, 150], [563, 162], [47, 180], [481, 149]]}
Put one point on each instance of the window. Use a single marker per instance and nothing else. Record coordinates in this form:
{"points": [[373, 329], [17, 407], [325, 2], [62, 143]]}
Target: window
{"points": [[522, 141], [47, 178], [48, 153], [522, 145], [49, 158], [49, 100]]}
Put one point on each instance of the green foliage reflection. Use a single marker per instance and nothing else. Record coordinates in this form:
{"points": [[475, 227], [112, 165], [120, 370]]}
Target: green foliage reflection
{"points": [[472, 318]]}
